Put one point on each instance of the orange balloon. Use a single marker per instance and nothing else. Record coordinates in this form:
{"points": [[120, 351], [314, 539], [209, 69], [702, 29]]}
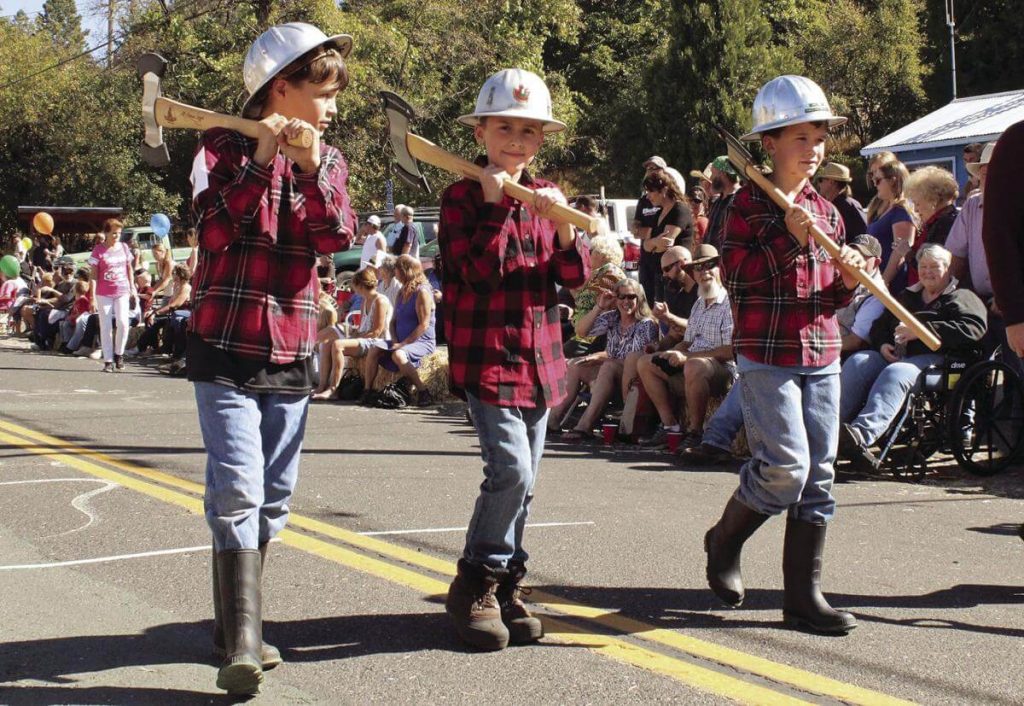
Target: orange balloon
{"points": [[43, 222]]}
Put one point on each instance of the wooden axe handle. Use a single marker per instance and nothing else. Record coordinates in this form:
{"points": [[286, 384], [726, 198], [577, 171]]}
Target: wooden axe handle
{"points": [[172, 114], [881, 293], [426, 151]]}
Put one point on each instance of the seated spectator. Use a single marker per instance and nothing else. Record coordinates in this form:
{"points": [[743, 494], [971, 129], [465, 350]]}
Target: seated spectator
{"points": [[164, 259], [325, 273], [698, 367], [334, 345], [387, 283], [412, 332], [933, 193], [605, 272], [856, 318], [167, 334], [13, 292], [624, 315], [680, 290], [54, 304], [435, 277], [875, 382], [144, 289], [79, 311]]}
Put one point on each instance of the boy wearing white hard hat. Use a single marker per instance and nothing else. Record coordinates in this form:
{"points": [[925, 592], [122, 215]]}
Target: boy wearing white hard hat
{"points": [[786, 291], [264, 209], [502, 261]]}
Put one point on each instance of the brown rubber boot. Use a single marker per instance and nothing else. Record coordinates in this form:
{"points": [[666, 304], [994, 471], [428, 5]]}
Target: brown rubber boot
{"points": [[474, 608], [803, 606], [723, 544], [270, 654], [523, 628], [239, 579]]}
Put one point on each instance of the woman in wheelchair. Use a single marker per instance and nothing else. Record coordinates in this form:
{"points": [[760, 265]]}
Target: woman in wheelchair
{"points": [[874, 383]]}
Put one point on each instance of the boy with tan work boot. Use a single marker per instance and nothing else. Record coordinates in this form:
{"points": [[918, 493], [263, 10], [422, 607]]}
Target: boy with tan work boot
{"points": [[502, 260]]}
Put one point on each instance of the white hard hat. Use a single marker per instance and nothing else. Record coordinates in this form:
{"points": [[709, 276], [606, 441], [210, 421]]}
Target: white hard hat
{"points": [[281, 45], [790, 100], [514, 93]]}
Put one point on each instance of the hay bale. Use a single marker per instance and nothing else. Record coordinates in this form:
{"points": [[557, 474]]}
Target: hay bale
{"points": [[739, 444], [433, 371]]}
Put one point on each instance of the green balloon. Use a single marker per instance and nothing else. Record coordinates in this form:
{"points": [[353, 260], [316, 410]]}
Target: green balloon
{"points": [[10, 266]]}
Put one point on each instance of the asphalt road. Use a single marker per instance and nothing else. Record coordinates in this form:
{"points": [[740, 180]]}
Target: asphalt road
{"points": [[104, 568]]}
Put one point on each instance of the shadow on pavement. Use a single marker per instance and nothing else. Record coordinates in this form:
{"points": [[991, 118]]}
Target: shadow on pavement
{"points": [[115, 695]]}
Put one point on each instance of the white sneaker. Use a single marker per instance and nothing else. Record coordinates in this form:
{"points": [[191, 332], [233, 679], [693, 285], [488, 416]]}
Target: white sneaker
{"points": [[83, 352], [96, 354], [131, 352]]}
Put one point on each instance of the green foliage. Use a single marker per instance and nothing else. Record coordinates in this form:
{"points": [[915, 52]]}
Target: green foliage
{"points": [[630, 78]]}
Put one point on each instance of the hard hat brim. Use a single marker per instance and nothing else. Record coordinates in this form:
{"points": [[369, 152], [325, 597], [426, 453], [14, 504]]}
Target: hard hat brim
{"points": [[473, 119], [342, 42], [831, 120]]}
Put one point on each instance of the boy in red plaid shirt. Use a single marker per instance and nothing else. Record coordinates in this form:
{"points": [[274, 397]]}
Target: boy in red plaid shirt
{"points": [[502, 260], [786, 290], [263, 209]]}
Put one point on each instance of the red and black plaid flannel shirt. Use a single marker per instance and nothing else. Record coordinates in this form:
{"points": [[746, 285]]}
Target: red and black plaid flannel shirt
{"points": [[501, 264], [255, 289], [786, 296]]}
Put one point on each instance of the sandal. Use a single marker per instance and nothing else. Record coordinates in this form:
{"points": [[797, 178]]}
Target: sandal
{"points": [[577, 435]]}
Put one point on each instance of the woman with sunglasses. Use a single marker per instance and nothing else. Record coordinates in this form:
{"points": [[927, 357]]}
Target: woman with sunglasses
{"points": [[624, 315], [893, 225]]}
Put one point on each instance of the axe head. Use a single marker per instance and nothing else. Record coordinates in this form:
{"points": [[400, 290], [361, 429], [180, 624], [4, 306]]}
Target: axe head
{"points": [[151, 71], [737, 151], [400, 114]]}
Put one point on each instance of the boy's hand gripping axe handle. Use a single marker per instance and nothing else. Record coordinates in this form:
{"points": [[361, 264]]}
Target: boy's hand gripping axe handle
{"points": [[410, 149], [742, 160], [159, 112]]}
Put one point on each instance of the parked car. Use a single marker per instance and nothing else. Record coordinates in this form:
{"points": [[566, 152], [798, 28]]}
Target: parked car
{"points": [[346, 262], [144, 237], [619, 214]]}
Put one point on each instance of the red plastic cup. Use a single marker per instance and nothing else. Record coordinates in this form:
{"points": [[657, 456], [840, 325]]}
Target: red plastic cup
{"points": [[608, 432], [673, 439]]}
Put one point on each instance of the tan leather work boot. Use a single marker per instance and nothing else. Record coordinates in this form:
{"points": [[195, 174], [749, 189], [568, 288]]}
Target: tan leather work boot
{"points": [[473, 606]]}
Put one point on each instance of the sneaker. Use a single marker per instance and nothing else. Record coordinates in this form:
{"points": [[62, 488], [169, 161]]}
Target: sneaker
{"points": [[83, 352], [692, 438], [131, 352], [424, 398], [706, 455], [96, 354], [119, 362], [657, 440], [108, 367], [853, 448]]}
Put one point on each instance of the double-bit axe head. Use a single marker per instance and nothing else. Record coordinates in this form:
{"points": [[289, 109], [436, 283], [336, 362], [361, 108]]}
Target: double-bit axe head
{"points": [[400, 114], [151, 70]]}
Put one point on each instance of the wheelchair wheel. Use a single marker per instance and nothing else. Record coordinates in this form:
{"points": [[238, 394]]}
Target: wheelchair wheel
{"points": [[986, 420]]}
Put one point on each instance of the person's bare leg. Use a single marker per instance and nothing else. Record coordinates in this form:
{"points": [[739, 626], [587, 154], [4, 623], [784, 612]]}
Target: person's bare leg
{"points": [[572, 386], [629, 371], [324, 351], [655, 383], [697, 378], [601, 391], [408, 371], [372, 359]]}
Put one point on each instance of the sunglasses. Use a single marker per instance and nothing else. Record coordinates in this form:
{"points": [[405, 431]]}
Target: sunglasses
{"points": [[624, 297], [705, 266], [668, 268]]}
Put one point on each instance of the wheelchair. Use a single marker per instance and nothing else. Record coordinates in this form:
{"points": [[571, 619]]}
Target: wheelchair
{"points": [[972, 409]]}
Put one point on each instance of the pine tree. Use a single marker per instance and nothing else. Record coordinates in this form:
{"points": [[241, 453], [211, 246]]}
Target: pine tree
{"points": [[61, 21]]}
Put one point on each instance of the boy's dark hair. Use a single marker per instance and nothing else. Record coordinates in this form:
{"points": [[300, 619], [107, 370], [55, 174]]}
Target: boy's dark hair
{"points": [[585, 203], [318, 65], [182, 272]]}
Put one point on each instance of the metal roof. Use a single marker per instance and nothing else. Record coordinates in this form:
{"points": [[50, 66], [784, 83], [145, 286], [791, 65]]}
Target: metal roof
{"points": [[965, 120]]}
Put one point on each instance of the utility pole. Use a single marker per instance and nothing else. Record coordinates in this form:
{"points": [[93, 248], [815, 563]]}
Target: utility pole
{"points": [[110, 33], [951, 24]]}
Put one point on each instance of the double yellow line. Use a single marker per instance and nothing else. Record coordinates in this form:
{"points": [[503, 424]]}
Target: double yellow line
{"points": [[706, 666]]}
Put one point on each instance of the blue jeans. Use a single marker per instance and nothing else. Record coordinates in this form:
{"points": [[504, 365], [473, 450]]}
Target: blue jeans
{"points": [[252, 443], [873, 390], [725, 424], [792, 420], [511, 444]]}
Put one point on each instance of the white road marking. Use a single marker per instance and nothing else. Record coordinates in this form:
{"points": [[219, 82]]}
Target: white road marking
{"points": [[80, 503], [106, 559], [463, 529]]}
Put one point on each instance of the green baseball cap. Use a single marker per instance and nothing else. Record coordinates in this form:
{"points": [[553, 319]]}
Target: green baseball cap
{"points": [[722, 164]]}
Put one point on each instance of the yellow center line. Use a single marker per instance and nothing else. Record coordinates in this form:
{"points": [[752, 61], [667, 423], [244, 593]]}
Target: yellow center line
{"points": [[702, 649]]}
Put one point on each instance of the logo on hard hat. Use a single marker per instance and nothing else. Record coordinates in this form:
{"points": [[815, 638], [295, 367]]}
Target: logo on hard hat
{"points": [[521, 94]]}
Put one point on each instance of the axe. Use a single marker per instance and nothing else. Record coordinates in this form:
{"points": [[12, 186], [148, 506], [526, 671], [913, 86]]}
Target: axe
{"points": [[409, 148], [742, 160], [159, 112]]}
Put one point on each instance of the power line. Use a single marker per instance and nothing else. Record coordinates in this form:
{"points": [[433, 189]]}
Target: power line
{"points": [[123, 35]]}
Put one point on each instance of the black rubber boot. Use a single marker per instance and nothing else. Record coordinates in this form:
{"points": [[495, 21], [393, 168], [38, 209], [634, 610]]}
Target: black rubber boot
{"points": [[271, 656], [723, 544], [804, 607], [239, 580], [473, 606], [523, 628]]}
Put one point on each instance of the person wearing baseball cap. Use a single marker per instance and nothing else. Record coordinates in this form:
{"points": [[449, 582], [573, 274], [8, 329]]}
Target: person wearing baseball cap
{"points": [[856, 318], [645, 215], [725, 182], [252, 333], [375, 245], [833, 182]]}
